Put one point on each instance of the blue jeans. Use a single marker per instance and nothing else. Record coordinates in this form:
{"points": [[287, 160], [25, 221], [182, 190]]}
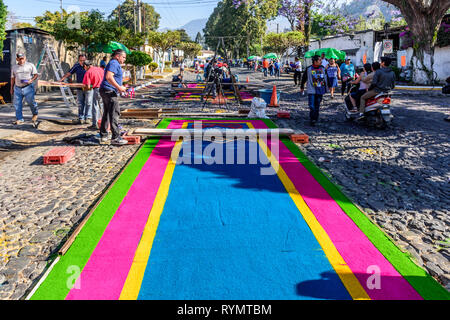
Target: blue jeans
{"points": [[265, 72], [83, 110], [27, 93], [93, 102], [314, 101]]}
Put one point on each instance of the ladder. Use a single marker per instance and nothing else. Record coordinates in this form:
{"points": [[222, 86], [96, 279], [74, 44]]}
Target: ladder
{"points": [[49, 55]]}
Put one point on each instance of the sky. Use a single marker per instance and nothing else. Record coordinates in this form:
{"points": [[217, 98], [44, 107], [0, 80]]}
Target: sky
{"points": [[174, 13]]}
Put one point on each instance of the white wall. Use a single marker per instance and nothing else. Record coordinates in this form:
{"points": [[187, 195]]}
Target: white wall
{"points": [[363, 41], [442, 62]]}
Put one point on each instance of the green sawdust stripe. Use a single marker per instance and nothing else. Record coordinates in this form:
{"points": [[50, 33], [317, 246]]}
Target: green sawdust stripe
{"points": [[419, 279], [55, 285]]}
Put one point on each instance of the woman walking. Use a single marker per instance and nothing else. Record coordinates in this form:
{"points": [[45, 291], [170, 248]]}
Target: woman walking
{"points": [[333, 74]]}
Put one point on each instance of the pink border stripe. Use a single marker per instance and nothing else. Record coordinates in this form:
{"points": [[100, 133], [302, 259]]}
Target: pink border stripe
{"points": [[354, 246], [105, 273]]}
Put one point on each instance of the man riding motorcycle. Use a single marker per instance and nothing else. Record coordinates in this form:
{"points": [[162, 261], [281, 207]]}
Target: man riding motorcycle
{"points": [[383, 81]]}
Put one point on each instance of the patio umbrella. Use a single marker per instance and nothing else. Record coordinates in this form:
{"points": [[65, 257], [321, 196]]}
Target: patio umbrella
{"points": [[329, 53], [271, 56], [108, 48]]}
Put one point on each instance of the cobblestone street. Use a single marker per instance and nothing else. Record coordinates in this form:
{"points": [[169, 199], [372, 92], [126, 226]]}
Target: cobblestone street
{"points": [[398, 176]]}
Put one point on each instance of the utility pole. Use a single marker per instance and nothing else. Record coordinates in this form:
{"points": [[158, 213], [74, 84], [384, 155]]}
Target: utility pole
{"points": [[134, 16], [62, 13], [139, 16]]}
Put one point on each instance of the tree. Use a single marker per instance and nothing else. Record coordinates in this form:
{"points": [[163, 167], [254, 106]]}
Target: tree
{"points": [[190, 49], [49, 19], [242, 23], [280, 43], [3, 15], [162, 42], [424, 19], [93, 28], [199, 39], [184, 37], [291, 11], [138, 59], [124, 15], [19, 25]]}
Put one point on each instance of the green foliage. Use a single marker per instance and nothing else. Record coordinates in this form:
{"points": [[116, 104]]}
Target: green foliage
{"points": [[167, 63], [184, 37], [150, 18], [49, 19], [3, 14], [244, 25], [153, 66], [138, 59], [281, 42], [20, 25], [190, 49], [93, 28], [130, 39], [397, 72], [443, 37]]}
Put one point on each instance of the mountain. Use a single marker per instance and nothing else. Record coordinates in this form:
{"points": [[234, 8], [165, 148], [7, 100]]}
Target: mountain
{"points": [[194, 26], [367, 7]]}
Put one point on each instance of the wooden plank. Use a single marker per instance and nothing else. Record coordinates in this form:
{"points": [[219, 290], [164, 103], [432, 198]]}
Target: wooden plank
{"points": [[140, 113], [242, 132], [202, 115], [188, 89], [45, 83]]}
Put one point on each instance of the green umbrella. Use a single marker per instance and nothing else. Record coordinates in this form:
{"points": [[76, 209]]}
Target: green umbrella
{"points": [[271, 56], [109, 48], [329, 53], [253, 58]]}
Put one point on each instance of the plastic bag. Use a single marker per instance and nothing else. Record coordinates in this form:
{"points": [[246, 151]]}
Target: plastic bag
{"points": [[258, 109]]}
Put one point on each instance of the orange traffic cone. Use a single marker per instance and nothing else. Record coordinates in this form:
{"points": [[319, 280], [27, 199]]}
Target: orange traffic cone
{"points": [[274, 98], [247, 80]]}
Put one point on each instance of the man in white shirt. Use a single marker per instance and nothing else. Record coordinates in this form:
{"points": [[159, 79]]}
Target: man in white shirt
{"points": [[297, 71], [23, 75], [324, 61]]}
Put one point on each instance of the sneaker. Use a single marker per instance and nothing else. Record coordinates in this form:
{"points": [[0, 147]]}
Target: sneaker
{"points": [[104, 139], [77, 121], [19, 122], [119, 142]]}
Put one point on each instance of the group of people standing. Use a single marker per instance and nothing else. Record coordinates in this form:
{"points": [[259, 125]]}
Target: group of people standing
{"points": [[100, 86], [270, 67], [322, 76]]}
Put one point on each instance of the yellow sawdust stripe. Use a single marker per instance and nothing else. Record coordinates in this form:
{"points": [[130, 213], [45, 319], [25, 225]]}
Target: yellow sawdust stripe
{"points": [[130, 290], [344, 272]]}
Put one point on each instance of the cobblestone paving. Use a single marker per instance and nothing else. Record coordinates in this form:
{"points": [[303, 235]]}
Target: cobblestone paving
{"points": [[39, 204], [398, 176]]}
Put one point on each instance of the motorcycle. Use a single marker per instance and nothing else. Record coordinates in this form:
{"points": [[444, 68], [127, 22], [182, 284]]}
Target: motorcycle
{"points": [[377, 113]]}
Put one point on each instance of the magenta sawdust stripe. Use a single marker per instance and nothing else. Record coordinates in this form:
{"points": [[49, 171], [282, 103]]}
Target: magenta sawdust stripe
{"points": [[105, 273], [375, 273]]}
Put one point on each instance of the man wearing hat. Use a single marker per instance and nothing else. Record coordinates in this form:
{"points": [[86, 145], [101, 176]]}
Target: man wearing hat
{"points": [[23, 75], [347, 74]]}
